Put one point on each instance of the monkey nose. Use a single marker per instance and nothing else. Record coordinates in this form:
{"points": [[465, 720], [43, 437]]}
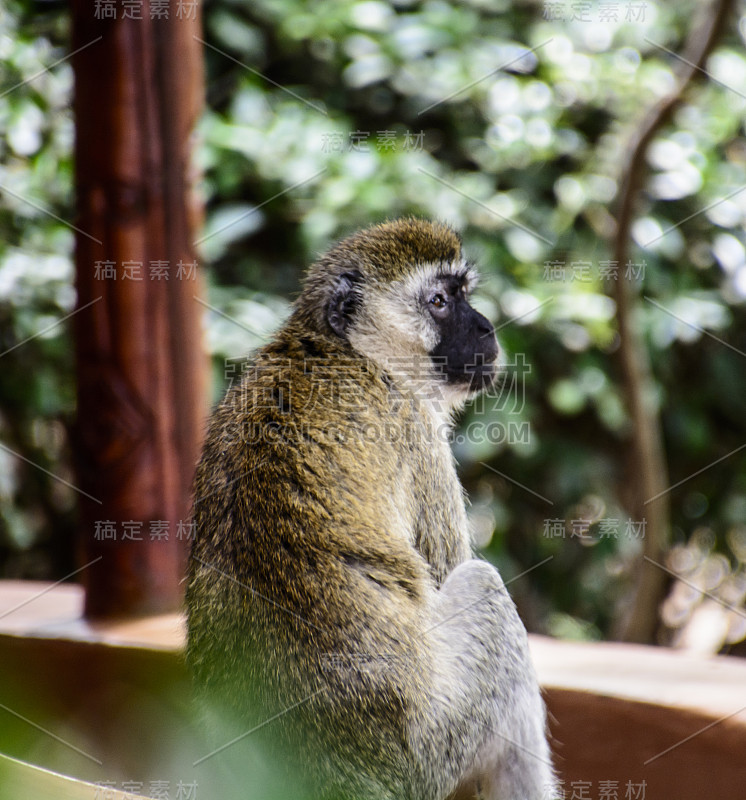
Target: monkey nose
{"points": [[485, 328]]}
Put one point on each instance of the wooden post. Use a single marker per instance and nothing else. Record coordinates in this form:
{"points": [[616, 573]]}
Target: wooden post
{"points": [[141, 373]]}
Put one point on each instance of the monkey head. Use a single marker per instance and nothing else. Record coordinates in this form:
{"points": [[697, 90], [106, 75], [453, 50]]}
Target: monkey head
{"points": [[398, 293]]}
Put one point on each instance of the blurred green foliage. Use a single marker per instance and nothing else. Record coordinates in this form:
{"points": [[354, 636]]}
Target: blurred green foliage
{"points": [[507, 120], [37, 394]]}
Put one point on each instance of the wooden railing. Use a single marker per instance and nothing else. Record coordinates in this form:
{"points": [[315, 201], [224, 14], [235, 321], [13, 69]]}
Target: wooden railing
{"points": [[109, 703]]}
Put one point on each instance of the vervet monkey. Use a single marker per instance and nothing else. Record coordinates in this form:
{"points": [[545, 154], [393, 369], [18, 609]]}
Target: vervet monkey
{"points": [[332, 591]]}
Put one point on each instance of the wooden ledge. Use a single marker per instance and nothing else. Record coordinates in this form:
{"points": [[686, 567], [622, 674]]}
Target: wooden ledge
{"points": [[713, 685], [19, 780], [118, 690], [648, 722], [55, 611], [710, 685]]}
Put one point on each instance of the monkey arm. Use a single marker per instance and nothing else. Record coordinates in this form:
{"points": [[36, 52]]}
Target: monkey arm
{"points": [[484, 687]]}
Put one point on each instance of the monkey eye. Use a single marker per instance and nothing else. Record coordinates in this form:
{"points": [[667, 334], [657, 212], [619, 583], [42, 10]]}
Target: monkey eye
{"points": [[438, 301]]}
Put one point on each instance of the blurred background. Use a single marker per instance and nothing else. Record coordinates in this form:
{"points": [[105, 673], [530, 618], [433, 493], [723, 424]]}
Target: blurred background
{"points": [[511, 122]]}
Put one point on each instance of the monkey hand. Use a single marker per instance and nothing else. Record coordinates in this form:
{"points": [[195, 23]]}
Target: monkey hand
{"points": [[485, 653]]}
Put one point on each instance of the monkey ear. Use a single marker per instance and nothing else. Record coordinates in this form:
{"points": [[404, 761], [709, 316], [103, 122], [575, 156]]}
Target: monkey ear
{"points": [[343, 302]]}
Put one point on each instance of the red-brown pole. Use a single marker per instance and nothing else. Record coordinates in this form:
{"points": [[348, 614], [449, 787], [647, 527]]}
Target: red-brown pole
{"points": [[141, 373]]}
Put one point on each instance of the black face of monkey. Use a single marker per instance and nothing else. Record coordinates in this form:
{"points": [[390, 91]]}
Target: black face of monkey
{"points": [[467, 349]]}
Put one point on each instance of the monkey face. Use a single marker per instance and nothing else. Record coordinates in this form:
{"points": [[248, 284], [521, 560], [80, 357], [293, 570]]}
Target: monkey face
{"points": [[466, 353], [420, 328], [398, 294]]}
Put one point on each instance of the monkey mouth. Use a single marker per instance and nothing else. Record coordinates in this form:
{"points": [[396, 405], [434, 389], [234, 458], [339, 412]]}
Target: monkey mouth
{"points": [[480, 376], [474, 377]]}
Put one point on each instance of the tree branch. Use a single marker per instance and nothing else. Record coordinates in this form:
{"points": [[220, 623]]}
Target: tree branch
{"points": [[648, 456]]}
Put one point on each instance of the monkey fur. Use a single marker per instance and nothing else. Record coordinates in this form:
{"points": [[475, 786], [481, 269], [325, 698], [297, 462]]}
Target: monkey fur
{"points": [[332, 593]]}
